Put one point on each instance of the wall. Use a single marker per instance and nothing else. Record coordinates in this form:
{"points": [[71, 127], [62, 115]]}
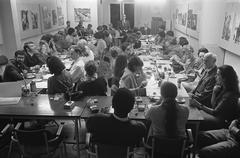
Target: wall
{"points": [[92, 4], [143, 11], [12, 39]]}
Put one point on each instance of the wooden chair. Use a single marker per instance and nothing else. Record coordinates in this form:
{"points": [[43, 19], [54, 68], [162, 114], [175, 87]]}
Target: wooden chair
{"points": [[34, 143], [99, 150]]}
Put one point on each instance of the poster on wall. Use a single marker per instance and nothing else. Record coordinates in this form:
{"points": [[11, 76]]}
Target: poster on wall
{"points": [[46, 18], [230, 35], [82, 14], [60, 16], [29, 20], [192, 20]]}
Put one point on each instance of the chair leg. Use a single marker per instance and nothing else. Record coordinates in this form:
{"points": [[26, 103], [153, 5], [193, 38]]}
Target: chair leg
{"points": [[10, 149], [65, 150]]}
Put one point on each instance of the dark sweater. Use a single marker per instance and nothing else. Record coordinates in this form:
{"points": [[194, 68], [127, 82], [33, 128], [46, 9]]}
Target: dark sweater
{"points": [[11, 74], [107, 129]]}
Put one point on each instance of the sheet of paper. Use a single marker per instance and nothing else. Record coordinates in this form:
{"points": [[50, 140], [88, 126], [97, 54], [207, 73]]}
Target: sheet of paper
{"points": [[9, 100], [11, 89], [41, 85]]}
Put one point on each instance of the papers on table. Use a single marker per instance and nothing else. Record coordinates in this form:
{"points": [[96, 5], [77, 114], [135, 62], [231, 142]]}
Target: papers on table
{"points": [[41, 85], [10, 92], [9, 100]]}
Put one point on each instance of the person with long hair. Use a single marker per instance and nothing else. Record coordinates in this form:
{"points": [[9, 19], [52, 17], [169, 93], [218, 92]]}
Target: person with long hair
{"points": [[120, 65], [224, 101], [169, 119]]}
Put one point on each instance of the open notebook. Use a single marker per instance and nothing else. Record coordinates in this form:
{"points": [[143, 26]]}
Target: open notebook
{"points": [[10, 92]]}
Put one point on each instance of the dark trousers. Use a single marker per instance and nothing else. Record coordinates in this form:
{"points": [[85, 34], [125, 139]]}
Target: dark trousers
{"points": [[219, 144]]}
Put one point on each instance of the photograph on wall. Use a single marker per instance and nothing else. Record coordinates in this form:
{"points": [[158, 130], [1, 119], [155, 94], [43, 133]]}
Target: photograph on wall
{"points": [[46, 18], [54, 17], [236, 27], [82, 14], [34, 19], [184, 19], [226, 33], [60, 16], [24, 20]]}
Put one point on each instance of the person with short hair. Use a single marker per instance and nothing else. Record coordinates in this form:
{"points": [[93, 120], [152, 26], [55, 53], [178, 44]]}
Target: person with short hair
{"points": [[77, 69], [61, 81], [93, 85], [18, 62], [68, 26], [169, 119], [117, 128], [32, 56], [133, 77], [101, 44], [8, 72], [88, 55], [72, 36], [203, 91], [89, 30]]}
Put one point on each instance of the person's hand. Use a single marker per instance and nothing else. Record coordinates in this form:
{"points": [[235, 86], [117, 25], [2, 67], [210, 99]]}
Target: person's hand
{"points": [[114, 88], [194, 103], [143, 84], [233, 123]]}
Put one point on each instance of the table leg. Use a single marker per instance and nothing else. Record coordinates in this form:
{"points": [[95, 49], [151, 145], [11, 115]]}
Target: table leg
{"points": [[196, 137], [77, 137]]}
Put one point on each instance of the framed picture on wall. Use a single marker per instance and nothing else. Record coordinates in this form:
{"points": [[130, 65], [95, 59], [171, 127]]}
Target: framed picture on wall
{"points": [[82, 14], [29, 20]]}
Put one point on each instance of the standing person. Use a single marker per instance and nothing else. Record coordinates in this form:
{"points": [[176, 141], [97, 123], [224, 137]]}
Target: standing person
{"points": [[124, 24], [224, 100], [68, 26], [169, 119], [80, 29], [89, 30], [101, 44], [117, 128], [61, 81], [8, 72]]}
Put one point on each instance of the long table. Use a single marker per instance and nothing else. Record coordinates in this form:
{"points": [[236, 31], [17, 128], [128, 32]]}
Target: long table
{"points": [[43, 107]]}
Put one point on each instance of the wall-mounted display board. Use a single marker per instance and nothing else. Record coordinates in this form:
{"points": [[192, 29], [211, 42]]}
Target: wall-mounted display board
{"points": [[186, 17], [29, 20], [37, 17], [230, 35]]}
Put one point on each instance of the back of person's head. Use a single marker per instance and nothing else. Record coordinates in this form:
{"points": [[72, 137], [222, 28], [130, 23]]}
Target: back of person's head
{"points": [[134, 62], [169, 93], [26, 45], [70, 31], [82, 42], [120, 65], [99, 28], [105, 27], [79, 49], [68, 22], [89, 26], [123, 102], [229, 78], [161, 34], [183, 41], [19, 52], [204, 50], [3, 60], [115, 51], [55, 65], [105, 33], [211, 58], [99, 35], [47, 38], [124, 46], [90, 68], [168, 90], [170, 33]]}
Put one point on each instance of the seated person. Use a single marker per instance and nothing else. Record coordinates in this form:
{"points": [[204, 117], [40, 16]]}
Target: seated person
{"points": [[60, 82], [133, 77], [88, 54], [8, 72], [137, 43], [18, 62], [72, 36], [222, 143], [32, 59], [120, 65], [159, 39], [93, 86], [89, 30], [224, 102], [169, 119], [169, 44], [203, 91], [104, 68], [77, 69], [117, 128]]}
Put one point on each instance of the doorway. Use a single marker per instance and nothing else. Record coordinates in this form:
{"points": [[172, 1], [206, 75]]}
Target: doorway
{"points": [[114, 14], [129, 12]]}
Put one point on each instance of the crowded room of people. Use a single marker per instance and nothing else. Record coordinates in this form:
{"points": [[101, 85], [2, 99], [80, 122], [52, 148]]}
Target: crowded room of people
{"points": [[119, 78]]}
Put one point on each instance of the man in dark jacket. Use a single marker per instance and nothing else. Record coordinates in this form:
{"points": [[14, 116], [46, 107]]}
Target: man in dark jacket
{"points": [[8, 72], [18, 62]]}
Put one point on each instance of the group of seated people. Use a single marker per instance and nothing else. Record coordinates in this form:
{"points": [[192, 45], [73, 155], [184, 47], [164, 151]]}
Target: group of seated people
{"points": [[100, 67]]}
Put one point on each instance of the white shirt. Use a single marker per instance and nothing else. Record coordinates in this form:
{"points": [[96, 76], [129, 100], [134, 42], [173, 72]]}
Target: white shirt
{"points": [[77, 71]]}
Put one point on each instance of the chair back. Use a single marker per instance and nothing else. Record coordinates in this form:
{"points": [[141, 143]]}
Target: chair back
{"points": [[168, 147], [110, 151]]}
